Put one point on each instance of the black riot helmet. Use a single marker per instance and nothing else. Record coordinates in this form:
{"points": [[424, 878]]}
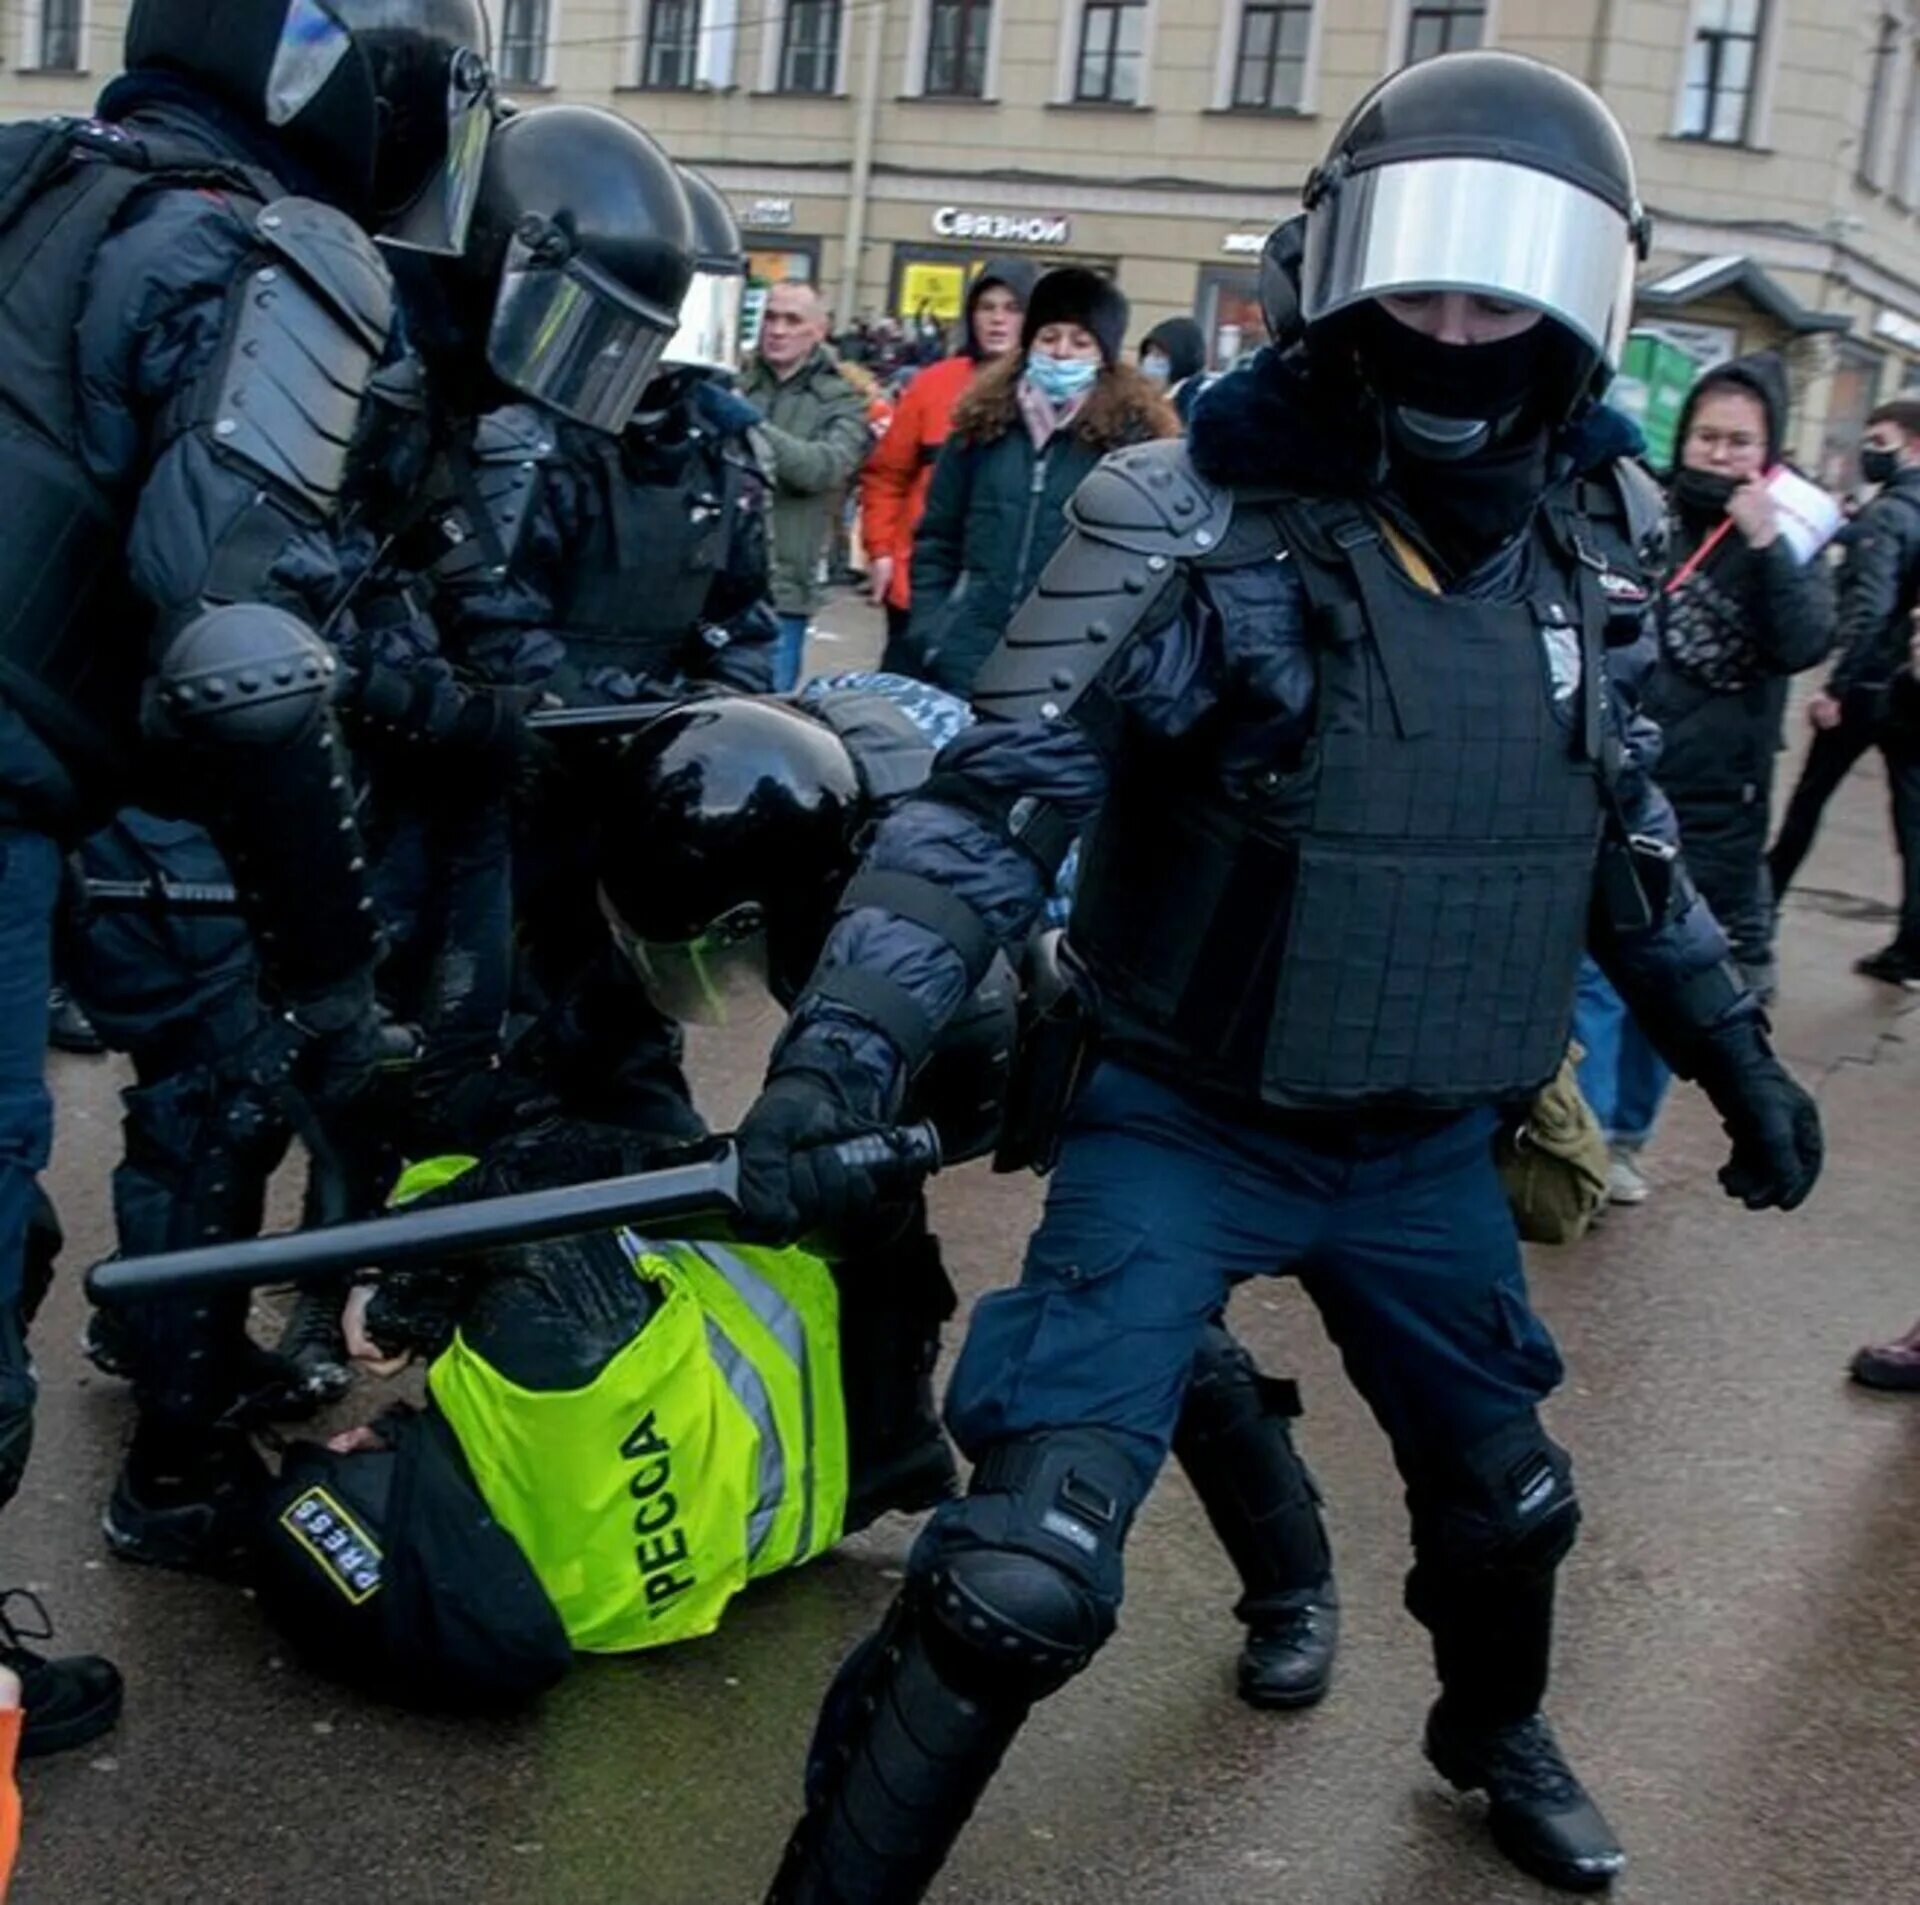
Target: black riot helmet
{"points": [[709, 330], [390, 101], [733, 825], [1488, 174], [581, 252]]}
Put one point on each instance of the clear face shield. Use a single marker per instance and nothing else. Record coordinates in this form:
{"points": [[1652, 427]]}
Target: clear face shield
{"points": [[569, 336], [719, 977], [709, 333], [1475, 225], [438, 219]]}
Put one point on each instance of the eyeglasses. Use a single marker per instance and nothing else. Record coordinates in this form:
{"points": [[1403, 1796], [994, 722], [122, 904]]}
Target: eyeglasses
{"points": [[1735, 442]]}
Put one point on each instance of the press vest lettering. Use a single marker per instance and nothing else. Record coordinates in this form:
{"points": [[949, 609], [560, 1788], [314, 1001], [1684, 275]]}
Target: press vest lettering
{"points": [[661, 1550]]}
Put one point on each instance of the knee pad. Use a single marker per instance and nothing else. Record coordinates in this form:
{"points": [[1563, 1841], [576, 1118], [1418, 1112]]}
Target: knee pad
{"points": [[1021, 1582], [1505, 1508]]}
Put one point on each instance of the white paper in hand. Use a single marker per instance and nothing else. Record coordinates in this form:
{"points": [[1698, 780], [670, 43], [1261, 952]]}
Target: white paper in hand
{"points": [[1809, 517]]}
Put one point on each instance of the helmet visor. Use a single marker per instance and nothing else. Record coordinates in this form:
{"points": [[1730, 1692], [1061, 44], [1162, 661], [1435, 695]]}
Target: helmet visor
{"points": [[437, 219], [570, 337], [1476, 225], [709, 330], [719, 977]]}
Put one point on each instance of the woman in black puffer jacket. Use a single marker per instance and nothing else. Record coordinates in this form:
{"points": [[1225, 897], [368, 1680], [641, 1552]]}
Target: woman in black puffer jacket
{"points": [[1735, 625], [1027, 432]]}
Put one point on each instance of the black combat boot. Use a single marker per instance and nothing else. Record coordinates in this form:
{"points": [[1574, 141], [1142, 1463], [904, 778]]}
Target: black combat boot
{"points": [[1537, 1810], [312, 1342], [185, 1498], [1492, 1636], [1234, 1443], [67, 1701], [68, 1028]]}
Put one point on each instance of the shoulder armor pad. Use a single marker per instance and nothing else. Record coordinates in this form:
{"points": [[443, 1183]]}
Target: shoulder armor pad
{"points": [[1151, 500], [308, 322], [338, 258], [516, 433]]}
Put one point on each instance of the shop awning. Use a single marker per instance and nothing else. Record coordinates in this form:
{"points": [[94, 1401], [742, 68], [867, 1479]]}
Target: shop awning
{"points": [[1674, 289]]}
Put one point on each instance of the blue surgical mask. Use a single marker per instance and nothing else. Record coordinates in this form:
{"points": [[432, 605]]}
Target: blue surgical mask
{"points": [[1061, 379], [1157, 369]]}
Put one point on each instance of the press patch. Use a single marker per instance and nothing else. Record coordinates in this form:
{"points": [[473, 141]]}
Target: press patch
{"points": [[346, 1554]]}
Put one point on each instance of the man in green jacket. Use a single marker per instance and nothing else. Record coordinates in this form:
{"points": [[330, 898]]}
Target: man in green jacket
{"points": [[815, 437]]}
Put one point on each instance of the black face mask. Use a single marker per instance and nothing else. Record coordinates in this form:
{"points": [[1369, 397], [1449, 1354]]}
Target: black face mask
{"points": [[1465, 509], [1879, 466], [1702, 496], [1448, 401]]}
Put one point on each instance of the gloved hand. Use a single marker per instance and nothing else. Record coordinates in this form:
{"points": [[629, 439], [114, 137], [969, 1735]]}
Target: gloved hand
{"points": [[489, 726], [1772, 1120], [790, 1182], [344, 1041]]}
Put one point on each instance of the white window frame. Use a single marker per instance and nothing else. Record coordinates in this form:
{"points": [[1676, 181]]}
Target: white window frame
{"points": [[1227, 59], [1400, 24], [1766, 64], [1066, 78], [716, 43], [920, 31], [1902, 164], [32, 19], [773, 38], [544, 78]]}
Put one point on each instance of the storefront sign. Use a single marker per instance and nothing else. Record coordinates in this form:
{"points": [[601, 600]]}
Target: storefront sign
{"points": [[1004, 228], [1244, 244], [1897, 330], [768, 215]]}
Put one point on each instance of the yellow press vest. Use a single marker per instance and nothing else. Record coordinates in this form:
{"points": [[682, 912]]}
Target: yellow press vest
{"points": [[709, 1451]]}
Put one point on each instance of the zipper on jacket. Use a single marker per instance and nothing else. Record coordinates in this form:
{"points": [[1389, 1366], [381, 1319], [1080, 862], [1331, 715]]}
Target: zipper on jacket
{"points": [[1034, 490]]}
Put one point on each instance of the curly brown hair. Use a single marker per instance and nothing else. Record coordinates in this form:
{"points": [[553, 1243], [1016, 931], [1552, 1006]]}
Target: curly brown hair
{"points": [[1123, 407]]}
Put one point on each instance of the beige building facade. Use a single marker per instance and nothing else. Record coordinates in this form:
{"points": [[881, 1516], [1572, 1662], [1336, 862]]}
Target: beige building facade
{"points": [[882, 148]]}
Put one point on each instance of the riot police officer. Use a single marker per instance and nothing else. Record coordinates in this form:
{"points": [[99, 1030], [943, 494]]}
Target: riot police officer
{"points": [[1334, 676], [192, 315]]}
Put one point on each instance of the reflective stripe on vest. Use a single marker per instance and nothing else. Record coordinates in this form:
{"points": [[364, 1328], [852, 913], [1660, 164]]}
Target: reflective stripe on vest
{"points": [[711, 1449]]}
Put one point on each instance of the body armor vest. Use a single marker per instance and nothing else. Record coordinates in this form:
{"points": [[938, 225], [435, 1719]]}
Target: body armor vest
{"points": [[72, 655], [656, 541], [1396, 919]]}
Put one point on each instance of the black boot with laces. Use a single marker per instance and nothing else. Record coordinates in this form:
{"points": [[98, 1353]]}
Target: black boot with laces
{"points": [[313, 1344], [1539, 1813], [68, 1701]]}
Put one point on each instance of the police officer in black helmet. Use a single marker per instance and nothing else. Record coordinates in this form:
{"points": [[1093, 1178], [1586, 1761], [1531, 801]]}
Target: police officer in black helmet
{"points": [[193, 309], [1334, 676]]}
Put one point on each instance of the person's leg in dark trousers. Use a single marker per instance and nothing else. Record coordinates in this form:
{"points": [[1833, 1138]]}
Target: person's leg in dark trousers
{"points": [[1421, 1288], [899, 657], [1830, 759], [70, 1701], [1066, 1398], [1900, 747]]}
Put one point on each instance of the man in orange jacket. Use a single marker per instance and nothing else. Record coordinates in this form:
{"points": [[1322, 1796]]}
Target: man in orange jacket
{"points": [[893, 487]]}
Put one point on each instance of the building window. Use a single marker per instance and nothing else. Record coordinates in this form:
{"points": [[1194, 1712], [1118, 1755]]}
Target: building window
{"points": [[810, 47], [1873, 127], [523, 42], [672, 45], [1906, 159], [1723, 60], [1271, 69], [1111, 32], [1444, 26], [957, 48], [56, 46]]}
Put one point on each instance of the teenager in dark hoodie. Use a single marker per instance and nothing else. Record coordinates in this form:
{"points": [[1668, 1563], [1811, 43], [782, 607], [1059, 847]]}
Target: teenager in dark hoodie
{"points": [[1173, 355]]}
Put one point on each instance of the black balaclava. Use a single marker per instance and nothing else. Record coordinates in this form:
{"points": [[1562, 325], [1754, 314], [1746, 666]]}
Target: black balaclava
{"points": [[1466, 448]]}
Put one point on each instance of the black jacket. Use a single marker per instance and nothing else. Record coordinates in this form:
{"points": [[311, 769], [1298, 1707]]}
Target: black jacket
{"points": [[1877, 584]]}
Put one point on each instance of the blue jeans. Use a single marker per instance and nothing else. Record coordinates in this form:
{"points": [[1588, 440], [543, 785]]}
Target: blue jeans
{"points": [[29, 886], [1622, 1077], [790, 653], [1160, 1205]]}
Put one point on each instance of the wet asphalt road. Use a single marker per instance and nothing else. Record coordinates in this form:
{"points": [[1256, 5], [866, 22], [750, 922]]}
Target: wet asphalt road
{"points": [[1739, 1669]]}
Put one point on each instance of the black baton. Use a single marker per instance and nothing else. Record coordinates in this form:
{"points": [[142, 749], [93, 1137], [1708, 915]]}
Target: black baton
{"points": [[704, 1189]]}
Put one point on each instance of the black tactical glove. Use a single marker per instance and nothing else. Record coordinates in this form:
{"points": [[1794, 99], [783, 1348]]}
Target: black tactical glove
{"points": [[342, 1040], [1772, 1120], [790, 1182]]}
